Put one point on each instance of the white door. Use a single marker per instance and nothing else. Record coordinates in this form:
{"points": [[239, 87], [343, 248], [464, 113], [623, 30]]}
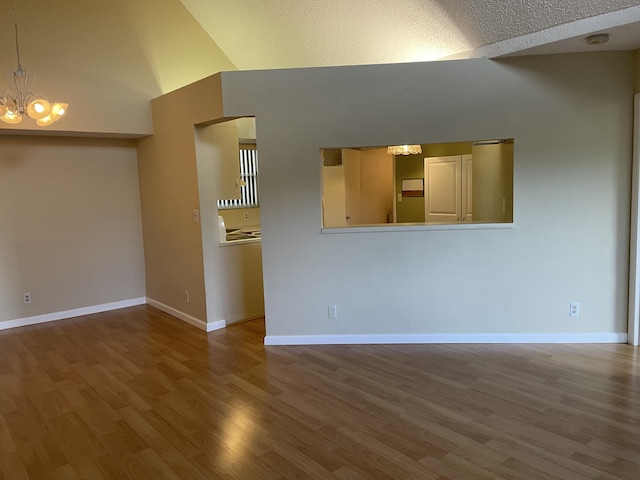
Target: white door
{"points": [[226, 153], [442, 196]]}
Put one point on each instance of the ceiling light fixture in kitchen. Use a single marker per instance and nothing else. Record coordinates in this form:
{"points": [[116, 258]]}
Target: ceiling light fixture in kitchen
{"points": [[404, 149]]}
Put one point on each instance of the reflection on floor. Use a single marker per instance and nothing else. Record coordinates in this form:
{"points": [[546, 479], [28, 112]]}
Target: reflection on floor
{"points": [[137, 394]]}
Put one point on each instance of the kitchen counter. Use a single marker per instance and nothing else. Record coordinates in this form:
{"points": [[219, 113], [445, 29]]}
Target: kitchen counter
{"points": [[242, 235]]}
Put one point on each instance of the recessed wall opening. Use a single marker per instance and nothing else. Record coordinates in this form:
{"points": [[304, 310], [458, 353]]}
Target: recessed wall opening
{"points": [[445, 184]]}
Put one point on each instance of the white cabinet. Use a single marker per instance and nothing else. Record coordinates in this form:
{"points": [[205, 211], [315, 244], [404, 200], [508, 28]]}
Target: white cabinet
{"points": [[360, 190], [493, 183], [334, 211], [226, 152], [218, 152], [448, 185]]}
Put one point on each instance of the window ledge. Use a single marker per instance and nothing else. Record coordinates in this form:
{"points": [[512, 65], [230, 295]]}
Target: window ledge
{"points": [[417, 227]]}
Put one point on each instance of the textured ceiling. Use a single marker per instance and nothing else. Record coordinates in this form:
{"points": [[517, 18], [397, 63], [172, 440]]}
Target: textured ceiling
{"points": [[257, 34]]}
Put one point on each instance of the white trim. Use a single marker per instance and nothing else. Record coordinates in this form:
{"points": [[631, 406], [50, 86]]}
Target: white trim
{"points": [[77, 312], [412, 227], [446, 338], [633, 320], [220, 324], [196, 322]]}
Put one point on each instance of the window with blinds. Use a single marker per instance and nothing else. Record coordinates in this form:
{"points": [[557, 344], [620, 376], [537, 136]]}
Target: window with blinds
{"points": [[249, 177]]}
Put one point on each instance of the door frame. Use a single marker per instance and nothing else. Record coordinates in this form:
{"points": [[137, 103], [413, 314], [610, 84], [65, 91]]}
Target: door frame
{"points": [[633, 325]]}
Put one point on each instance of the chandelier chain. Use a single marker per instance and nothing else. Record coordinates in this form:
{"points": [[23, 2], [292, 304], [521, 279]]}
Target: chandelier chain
{"points": [[15, 24]]}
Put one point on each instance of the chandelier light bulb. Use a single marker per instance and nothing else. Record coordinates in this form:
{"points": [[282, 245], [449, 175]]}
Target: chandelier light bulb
{"points": [[38, 108], [11, 117], [58, 110], [43, 122]]}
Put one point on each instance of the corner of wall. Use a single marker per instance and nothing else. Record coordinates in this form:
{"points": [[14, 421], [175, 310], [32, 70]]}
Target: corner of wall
{"points": [[637, 70]]}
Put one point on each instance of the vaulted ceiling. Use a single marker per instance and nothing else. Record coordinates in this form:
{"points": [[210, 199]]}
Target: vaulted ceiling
{"points": [[256, 34]]}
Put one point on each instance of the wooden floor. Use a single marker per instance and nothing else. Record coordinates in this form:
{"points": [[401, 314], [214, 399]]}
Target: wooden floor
{"points": [[136, 394]]}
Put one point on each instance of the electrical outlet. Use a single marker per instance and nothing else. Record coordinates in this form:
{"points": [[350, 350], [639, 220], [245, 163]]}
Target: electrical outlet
{"points": [[246, 215], [574, 309], [186, 296], [196, 215], [333, 312], [26, 297]]}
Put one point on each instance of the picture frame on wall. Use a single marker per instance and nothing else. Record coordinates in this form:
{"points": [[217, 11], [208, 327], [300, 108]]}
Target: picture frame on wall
{"points": [[413, 187]]}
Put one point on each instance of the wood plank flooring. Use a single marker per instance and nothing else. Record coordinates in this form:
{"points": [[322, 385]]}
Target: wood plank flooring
{"points": [[136, 394]]}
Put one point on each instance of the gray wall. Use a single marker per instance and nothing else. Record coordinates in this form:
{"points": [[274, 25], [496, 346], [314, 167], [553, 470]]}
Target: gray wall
{"points": [[571, 118]]}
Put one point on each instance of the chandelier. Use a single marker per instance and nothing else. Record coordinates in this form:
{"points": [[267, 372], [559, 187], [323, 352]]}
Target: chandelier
{"points": [[19, 100], [404, 149]]}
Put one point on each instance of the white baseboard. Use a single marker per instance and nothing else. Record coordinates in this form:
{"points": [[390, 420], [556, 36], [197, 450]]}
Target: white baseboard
{"points": [[77, 312], [196, 322], [446, 338]]}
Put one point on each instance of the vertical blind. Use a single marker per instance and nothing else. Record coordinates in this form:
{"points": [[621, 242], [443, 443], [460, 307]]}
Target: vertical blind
{"points": [[249, 176]]}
